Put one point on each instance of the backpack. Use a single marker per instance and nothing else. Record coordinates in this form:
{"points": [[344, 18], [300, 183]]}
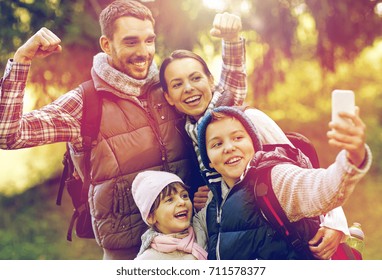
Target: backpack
{"points": [[275, 215], [78, 190]]}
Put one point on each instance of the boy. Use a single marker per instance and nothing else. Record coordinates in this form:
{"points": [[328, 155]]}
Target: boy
{"points": [[229, 143]]}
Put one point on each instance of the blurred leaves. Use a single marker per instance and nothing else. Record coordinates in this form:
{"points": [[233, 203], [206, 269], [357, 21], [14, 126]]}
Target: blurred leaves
{"points": [[298, 51], [34, 228], [342, 29], [75, 23]]}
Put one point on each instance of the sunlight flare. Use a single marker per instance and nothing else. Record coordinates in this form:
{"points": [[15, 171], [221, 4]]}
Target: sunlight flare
{"points": [[217, 5]]}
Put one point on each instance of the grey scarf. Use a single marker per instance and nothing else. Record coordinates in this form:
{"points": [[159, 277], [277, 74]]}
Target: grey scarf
{"points": [[122, 83]]}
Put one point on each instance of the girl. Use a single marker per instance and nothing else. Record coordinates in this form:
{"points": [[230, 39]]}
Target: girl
{"points": [[162, 199]]}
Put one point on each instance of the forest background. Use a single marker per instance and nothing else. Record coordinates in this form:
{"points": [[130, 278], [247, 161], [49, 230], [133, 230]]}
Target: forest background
{"points": [[298, 51]]}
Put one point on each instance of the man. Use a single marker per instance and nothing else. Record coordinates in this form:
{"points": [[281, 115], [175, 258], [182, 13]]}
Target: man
{"points": [[138, 129]]}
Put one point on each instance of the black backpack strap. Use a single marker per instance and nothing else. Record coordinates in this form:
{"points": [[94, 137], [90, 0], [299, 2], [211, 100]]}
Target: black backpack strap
{"points": [[305, 145], [274, 213], [78, 189], [91, 118], [71, 225], [90, 125], [91, 112], [66, 174]]}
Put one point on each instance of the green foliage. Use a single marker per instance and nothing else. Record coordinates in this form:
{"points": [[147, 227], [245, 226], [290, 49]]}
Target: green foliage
{"points": [[344, 28], [178, 23], [364, 207], [339, 31], [76, 24], [303, 101], [25, 168], [332, 32], [298, 51], [32, 227]]}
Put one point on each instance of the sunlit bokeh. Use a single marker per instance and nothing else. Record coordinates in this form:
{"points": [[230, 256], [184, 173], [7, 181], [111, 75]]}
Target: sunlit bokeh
{"points": [[217, 5], [294, 90], [24, 168], [242, 7], [245, 7], [378, 9]]}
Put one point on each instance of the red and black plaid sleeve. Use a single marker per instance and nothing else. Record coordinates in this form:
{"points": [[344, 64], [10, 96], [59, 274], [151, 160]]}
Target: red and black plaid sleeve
{"points": [[56, 122], [234, 75]]}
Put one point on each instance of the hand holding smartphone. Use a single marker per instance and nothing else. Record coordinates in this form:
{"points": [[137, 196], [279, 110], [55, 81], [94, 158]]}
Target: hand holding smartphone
{"points": [[342, 101]]}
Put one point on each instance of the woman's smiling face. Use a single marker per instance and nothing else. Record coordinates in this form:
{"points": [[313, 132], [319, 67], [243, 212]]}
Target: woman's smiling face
{"points": [[189, 87]]}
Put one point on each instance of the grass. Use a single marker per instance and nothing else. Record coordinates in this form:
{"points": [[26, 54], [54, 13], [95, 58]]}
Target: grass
{"points": [[32, 227], [365, 207]]}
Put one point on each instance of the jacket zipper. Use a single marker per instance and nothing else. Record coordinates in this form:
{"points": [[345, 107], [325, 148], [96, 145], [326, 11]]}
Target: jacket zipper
{"points": [[155, 129], [218, 220], [160, 140]]}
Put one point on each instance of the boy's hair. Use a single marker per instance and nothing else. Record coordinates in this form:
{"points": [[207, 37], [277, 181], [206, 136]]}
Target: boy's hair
{"points": [[217, 114], [122, 8], [168, 190], [180, 54]]}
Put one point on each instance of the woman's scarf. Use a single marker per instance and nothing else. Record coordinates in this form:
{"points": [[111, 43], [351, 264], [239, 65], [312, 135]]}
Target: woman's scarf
{"points": [[185, 242]]}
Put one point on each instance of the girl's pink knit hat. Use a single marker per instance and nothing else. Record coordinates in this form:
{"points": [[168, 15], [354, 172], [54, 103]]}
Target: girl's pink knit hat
{"points": [[146, 187]]}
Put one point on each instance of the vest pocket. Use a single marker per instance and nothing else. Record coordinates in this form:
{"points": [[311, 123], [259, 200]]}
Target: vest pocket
{"points": [[123, 199], [126, 219]]}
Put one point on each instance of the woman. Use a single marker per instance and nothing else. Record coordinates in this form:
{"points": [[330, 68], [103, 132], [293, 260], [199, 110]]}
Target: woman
{"points": [[189, 86]]}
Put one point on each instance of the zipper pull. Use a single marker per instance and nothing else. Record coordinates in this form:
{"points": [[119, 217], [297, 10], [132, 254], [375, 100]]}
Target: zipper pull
{"points": [[218, 217]]}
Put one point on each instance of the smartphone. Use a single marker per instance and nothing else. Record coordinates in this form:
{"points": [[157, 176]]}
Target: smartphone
{"points": [[342, 101]]}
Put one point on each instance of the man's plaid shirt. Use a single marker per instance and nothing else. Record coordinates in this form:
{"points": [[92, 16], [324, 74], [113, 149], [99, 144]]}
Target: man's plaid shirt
{"points": [[60, 121]]}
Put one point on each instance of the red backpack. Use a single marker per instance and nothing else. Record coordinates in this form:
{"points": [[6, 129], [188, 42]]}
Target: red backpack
{"points": [[276, 216]]}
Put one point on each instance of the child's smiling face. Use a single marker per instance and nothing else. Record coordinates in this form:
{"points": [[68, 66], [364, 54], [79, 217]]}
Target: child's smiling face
{"points": [[229, 148], [174, 212]]}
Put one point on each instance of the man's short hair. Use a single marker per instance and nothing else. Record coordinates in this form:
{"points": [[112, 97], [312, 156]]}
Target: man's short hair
{"points": [[122, 8]]}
